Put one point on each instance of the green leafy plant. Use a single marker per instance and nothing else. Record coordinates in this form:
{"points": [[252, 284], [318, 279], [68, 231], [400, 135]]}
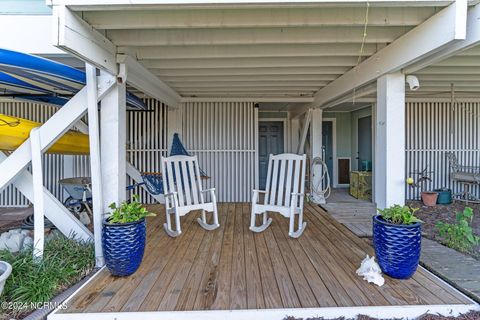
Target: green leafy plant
{"points": [[399, 214], [65, 262], [128, 211], [460, 235]]}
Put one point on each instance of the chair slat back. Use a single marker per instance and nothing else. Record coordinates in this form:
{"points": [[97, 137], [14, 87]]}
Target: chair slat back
{"points": [[181, 174], [285, 175]]}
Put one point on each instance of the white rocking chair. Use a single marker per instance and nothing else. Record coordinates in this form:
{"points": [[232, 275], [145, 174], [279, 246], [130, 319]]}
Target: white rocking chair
{"points": [[183, 193], [283, 193]]}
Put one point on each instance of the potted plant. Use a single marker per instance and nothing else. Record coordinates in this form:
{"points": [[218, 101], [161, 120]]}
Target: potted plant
{"points": [[397, 236], [5, 271], [429, 198], [123, 237]]}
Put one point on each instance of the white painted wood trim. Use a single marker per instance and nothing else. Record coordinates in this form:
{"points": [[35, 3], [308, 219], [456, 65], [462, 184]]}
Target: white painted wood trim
{"points": [[334, 179], [343, 185], [39, 201], [404, 312], [73, 35], [95, 163], [144, 80], [440, 30]]}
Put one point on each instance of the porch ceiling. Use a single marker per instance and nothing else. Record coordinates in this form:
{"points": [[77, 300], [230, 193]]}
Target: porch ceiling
{"points": [[268, 50]]}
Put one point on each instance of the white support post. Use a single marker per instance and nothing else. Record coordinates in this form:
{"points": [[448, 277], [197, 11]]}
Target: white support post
{"points": [[303, 135], [95, 162], [113, 140], [316, 143], [294, 134], [39, 202], [174, 123], [389, 169]]}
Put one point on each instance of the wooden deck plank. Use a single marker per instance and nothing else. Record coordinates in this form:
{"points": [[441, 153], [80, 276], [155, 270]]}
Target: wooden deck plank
{"points": [[172, 293], [305, 294], [206, 292], [238, 289], [320, 290], [234, 268], [188, 294], [222, 298], [157, 290], [287, 290], [255, 299], [384, 295], [101, 290], [409, 288], [271, 292]]}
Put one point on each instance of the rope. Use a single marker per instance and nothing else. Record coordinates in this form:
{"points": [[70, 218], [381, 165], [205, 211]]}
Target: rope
{"points": [[321, 191], [362, 46], [10, 124]]}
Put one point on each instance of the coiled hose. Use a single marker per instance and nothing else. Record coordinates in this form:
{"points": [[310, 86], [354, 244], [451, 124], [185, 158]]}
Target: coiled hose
{"points": [[319, 190]]}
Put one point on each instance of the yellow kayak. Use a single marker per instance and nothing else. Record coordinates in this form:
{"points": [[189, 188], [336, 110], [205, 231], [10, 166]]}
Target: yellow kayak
{"points": [[14, 131]]}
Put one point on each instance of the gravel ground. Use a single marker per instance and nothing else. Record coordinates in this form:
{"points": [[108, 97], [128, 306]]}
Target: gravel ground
{"points": [[474, 315], [446, 213]]}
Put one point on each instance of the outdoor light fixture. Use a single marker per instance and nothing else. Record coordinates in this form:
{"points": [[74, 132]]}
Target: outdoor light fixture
{"points": [[413, 82]]}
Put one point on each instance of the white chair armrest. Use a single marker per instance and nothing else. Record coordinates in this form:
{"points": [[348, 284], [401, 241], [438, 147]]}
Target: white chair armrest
{"points": [[298, 194], [171, 194], [260, 191], [208, 190]]}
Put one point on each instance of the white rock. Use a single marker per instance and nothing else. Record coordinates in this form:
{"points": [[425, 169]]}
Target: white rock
{"points": [[15, 231], [84, 218], [25, 232], [15, 242], [5, 236], [27, 243]]}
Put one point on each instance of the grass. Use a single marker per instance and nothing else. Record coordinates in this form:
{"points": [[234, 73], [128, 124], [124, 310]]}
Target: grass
{"points": [[64, 263]]}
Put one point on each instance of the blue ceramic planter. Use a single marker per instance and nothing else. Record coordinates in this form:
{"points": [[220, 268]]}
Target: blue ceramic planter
{"points": [[397, 247], [123, 246]]}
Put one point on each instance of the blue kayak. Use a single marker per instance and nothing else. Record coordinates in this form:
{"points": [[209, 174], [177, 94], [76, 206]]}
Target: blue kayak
{"points": [[25, 74]]}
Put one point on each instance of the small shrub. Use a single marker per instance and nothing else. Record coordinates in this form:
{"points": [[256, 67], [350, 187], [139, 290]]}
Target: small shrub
{"points": [[128, 212], [65, 262], [399, 215], [460, 235]]}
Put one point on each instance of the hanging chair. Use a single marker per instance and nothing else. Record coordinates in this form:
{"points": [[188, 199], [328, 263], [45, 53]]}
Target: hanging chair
{"points": [[153, 180]]}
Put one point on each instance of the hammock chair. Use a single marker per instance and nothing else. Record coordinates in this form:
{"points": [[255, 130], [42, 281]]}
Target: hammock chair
{"points": [[153, 180]]}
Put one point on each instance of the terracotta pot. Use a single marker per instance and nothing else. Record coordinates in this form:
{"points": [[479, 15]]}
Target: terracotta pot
{"points": [[429, 198]]}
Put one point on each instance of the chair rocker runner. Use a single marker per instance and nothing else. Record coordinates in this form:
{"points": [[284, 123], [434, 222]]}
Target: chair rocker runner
{"points": [[183, 193], [284, 193]]}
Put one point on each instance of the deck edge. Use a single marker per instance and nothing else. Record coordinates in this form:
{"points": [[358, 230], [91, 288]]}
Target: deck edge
{"points": [[405, 312]]}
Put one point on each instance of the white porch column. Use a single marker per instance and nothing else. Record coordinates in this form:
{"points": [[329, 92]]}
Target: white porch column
{"points": [[389, 167], [294, 134], [174, 123], [113, 127], [316, 142]]}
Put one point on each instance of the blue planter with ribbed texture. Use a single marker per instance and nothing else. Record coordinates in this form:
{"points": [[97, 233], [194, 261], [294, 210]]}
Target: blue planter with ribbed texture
{"points": [[123, 246], [397, 247]]}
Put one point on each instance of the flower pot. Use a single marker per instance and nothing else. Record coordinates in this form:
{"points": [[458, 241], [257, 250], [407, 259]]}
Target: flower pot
{"points": [[5, 271], [444, 196], [397, 247], [123, 246], [429, 198]]}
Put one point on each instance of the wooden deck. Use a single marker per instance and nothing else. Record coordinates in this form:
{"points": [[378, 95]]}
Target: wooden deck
{"points": [[232, 268]]}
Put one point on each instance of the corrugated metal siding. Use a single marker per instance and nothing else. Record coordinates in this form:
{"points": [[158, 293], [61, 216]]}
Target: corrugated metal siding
{"points": [[435, 128], [147, 141], [223, 137]]}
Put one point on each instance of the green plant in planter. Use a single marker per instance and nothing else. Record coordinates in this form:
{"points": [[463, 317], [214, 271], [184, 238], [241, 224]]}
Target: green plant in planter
{"points": [[399, 214], [128, 211], [459, 236]]}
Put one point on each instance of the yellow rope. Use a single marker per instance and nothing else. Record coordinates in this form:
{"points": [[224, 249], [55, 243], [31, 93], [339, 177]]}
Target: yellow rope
{"points": [[362, 46]]}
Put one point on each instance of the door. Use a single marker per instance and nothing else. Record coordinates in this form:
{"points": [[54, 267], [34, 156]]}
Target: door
{"points": [[270, 141], [364, 155], [327, 148]]}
